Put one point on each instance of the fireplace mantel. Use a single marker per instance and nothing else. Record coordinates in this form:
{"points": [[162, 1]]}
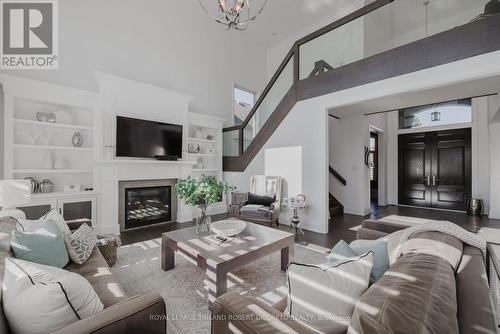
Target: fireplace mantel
{"points": [[111, 172], [145, 162]]}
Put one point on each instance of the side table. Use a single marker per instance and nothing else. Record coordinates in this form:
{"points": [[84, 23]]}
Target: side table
{"points": [[108, 246]]}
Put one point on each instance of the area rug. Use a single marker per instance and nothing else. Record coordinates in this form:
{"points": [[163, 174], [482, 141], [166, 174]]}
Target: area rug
{"points": [[184, 288]]}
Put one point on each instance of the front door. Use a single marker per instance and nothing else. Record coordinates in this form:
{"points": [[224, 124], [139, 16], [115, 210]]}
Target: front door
{"points": [[435, 169]]}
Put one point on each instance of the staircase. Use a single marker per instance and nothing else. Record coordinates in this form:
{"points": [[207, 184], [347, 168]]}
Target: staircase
{"points": [[335, 207], [291, 83]]}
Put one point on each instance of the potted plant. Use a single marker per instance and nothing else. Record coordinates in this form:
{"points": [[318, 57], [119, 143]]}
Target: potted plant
{"points": [[201, 194]]}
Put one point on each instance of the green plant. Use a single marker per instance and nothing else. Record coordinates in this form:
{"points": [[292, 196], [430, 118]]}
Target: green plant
{"points": [[201, 192]]}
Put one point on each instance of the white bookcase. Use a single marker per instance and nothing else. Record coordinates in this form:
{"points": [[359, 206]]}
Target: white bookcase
{"points": [[44, 150], [205, 134]]}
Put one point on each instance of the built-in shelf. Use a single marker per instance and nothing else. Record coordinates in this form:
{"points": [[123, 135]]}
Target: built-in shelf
{"points": [[51, 171], [52, 125], [57, 194], [204, 155], [206, 170], [48, 147], [203, 140]]}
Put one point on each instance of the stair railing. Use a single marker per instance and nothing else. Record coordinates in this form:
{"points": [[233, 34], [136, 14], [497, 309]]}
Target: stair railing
{"points": [[337, 176], [239, 137]]}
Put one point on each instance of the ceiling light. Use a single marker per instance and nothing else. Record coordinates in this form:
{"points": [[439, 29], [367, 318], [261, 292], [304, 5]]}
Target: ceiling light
{"points": [[234, 14]]}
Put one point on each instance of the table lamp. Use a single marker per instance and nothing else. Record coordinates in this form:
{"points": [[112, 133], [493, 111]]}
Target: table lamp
{"points": [[14, 193]]}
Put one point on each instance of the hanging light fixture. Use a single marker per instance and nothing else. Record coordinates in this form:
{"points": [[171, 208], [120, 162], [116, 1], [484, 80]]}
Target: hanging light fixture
{"points": [[234, 14], [491, 8]]}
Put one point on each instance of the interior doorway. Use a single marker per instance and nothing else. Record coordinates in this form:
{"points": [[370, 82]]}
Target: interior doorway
{"points": [[373, 164]]}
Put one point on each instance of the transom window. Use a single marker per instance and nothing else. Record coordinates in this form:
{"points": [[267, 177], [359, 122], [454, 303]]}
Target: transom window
{"points": [[439, 114]]}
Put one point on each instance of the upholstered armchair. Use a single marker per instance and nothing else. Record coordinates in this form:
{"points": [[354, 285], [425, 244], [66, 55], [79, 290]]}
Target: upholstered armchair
{"points": [[262, 188]]}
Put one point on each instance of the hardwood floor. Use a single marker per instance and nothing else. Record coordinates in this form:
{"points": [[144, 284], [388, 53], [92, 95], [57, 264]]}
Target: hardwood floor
{"points": [[342, 228]]}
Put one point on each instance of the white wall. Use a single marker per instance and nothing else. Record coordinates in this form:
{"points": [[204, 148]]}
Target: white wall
{"points": [[170, 44], [287, 163], [307, 127]]}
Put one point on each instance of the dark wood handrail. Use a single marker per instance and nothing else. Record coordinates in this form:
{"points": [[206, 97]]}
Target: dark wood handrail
{"points": [[337, 176]]}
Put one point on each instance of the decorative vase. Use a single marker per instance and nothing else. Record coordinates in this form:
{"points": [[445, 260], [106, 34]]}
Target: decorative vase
{"points": [[202, 219], [46, 186], [34, 184], [77, 139]]}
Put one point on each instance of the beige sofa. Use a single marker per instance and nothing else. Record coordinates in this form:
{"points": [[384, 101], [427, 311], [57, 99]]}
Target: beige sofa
{"points": [[419, 293], [121, 314]]}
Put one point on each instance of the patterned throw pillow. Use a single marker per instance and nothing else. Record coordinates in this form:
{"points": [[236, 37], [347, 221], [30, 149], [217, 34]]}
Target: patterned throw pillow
{"points": [[81, 243]]}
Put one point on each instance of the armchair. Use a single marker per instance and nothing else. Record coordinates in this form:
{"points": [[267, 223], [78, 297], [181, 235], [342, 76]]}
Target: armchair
{"points": [[259, 185]]}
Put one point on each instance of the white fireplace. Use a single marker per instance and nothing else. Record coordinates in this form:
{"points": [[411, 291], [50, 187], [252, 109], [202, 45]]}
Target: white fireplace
{"points": [[116, 174]]}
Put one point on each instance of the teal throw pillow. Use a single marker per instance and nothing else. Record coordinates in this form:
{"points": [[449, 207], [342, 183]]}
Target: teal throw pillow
{"points": [[380, 255], [341, 251], [44, 246]]}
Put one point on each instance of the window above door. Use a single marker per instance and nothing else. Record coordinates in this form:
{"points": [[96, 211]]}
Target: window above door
{"points": [[438, 114]]}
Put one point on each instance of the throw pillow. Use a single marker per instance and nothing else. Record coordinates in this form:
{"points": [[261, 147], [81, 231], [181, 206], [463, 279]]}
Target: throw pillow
{"points": [[380, 255], [42, 299], [81, 243], [27, 225], [43, 246], [341, 251], [261, 200], [323, 296]]}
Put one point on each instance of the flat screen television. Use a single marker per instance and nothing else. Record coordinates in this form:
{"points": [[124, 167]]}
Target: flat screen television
{"points": [[137, 138]]}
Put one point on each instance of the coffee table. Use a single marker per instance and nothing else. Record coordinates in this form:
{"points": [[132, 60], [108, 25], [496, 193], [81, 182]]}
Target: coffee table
{"points": [[255, 242]]}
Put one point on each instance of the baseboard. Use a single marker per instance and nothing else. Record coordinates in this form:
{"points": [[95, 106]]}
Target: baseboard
{"points": [[355, 212], [494, 214]]}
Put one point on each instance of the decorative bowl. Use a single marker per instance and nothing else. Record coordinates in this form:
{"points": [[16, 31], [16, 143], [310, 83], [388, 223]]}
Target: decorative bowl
{"points": [[228, 228]]}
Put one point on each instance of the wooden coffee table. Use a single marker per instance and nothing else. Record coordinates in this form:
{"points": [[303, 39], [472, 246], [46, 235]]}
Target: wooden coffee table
{"points": [[254, 243]]}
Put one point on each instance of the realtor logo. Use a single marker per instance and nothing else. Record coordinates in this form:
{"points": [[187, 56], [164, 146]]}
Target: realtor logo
{"points": [[29, 33]]}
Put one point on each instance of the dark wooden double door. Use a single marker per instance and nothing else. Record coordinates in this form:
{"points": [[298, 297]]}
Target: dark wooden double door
{"points": [[435, 169]]}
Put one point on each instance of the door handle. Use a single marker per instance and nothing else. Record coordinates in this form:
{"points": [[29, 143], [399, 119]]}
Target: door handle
{"points": [[435, 180], [427, 180]]}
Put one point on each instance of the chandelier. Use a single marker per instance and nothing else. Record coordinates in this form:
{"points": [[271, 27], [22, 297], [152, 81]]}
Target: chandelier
{"points": [[234, 14]]}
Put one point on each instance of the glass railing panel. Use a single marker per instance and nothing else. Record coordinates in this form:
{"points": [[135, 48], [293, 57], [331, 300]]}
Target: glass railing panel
{"points": [[269, 104], [338, 47], [230, 143], [395, 24]]}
